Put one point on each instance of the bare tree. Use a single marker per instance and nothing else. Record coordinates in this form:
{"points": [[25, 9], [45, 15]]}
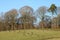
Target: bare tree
{"points": [[41, 14], [58, 22], [27, 17], [1, 24], [10, 18], [26, 10]]}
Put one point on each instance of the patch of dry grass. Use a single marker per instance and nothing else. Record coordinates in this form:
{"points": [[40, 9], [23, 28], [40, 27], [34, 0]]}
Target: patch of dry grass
{"points": [[31, 34]]}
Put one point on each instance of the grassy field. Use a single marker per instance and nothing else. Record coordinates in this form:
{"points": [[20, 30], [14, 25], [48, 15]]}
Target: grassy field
{"points": [[30, 35]]}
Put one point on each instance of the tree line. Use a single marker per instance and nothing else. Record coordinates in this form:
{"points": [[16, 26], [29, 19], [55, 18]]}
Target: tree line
{"points": [[25, 17]]}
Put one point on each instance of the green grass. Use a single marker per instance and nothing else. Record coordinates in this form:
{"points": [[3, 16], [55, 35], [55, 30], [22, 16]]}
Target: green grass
{"points": [[32, 34]]}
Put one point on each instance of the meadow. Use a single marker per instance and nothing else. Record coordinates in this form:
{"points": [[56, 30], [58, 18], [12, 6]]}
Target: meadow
{"points": [[30, 34]]}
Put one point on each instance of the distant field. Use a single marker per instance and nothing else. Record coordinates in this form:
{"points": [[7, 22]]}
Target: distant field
{"points": [[30, 35]]}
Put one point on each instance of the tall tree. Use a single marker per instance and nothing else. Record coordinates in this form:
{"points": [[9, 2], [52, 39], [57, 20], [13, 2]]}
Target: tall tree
{"points": [[26, 10], [58, 18], [41, 13], [58, 10], [53, 9], [1, 24], [27, 16], [10, 18]]}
